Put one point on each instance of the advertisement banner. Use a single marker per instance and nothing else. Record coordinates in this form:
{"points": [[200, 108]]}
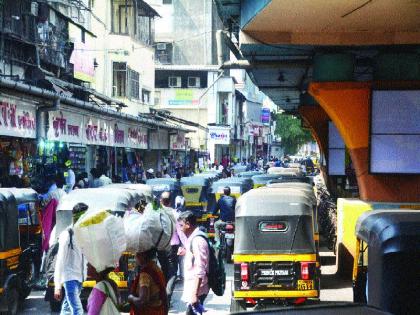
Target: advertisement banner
{"points": [[183, 97], [219, 135], [98, 131], [177, 142], [17, 118], [65, 126]]}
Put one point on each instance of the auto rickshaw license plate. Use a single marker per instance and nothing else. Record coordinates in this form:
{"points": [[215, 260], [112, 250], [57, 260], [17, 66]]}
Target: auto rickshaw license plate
{"points": [[116, 276], [305, 284]]}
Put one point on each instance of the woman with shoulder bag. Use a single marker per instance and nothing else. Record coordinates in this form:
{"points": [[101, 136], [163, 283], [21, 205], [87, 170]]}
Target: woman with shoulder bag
{"points": [[104, 298]]}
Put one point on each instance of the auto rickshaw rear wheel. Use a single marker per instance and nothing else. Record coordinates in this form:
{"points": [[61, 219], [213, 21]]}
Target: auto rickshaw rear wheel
{"points": [[237, 305], [12, 298]]}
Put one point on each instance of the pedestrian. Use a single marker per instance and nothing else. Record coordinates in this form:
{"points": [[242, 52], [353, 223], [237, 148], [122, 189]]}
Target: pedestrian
{"points": [[104, 297], [70, 268], [69, 176], [82, 180], [95, 178], [196, 263], [166, 260], [226, 204], [148, 291]]}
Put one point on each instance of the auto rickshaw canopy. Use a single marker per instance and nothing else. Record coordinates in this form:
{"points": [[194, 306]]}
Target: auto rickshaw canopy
{"points": [[145, 191], [238, 185], [118, 200], [250, 174], [300, 186], [285, 170], [274, 220], [390, 231], [263, 179], [10, 198], [288, 178]]}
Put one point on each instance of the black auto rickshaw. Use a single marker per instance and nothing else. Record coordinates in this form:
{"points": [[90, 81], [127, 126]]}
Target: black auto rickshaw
{"points": [[288, 178], [309, 191], [275, 256], [118, 200], [386, 271], [159, 185], [19, 250], [262, 179]]}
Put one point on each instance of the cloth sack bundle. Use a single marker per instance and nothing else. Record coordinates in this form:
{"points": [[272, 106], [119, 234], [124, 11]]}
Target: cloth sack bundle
{"points": [[100, 236]]}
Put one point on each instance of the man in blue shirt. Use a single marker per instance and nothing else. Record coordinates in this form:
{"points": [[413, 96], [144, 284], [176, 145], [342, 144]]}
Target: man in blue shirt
{"points": [[226, 205]]}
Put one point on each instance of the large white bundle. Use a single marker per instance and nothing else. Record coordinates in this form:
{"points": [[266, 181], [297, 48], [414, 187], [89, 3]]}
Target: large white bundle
{"points": [[100, 236], [152, 229]]}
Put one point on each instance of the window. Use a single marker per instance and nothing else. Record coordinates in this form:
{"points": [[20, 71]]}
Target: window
{"points": [[134, 81], [194, 82], [157, 97], [166, 1], [122, 17], [119, 79], [145, 96], [163, 53], [174, 81]]}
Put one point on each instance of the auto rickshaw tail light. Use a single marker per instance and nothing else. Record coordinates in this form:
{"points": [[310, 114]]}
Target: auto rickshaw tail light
{"points": [[304, 270], [244, 272]]}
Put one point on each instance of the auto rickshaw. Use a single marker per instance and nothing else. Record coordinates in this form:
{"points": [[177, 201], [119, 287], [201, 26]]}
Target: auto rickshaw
{"points": [[159, 185], [285, 170], [145, 191], [18, 247], [386, 271], [238, 169], [307, 189], [250, 174], [118, 200], [275, 256], [263, 179], [287, 178]]}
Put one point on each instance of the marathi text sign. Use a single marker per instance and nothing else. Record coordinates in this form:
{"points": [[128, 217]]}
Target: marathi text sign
{"points": [[97, 131], [137, 137], [17, 119], [219, 135], [65, 126]]}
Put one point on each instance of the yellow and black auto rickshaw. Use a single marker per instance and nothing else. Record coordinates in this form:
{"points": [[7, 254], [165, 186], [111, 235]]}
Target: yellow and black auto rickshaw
{"points": [[262, 179], [386, 272], [19, 249], [249, 174], [118, 200], [275, 256]]}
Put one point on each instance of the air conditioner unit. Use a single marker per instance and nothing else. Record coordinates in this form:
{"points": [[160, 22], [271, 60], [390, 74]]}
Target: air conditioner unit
{"points": [[161, 46]]}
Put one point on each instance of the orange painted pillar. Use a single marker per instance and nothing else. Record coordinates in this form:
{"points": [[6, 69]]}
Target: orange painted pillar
{"points": [[348, 106]]}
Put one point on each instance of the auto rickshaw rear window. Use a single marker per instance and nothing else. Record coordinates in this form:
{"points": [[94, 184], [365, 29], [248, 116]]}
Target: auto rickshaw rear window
{"points": [[272, 226]]}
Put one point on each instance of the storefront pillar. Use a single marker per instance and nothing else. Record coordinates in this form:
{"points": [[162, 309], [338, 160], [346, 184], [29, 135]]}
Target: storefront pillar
{"points": [[348, 106]]}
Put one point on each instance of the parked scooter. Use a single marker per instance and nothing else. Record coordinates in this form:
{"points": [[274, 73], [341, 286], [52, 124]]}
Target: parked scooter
{"points": [[227, 238]]}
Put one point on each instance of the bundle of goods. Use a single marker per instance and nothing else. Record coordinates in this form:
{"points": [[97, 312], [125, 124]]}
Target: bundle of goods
{"points": [[152, 229], [100, 236]]}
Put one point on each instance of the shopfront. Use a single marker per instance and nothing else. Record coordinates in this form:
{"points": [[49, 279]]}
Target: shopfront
{"points": [[17, 140]]}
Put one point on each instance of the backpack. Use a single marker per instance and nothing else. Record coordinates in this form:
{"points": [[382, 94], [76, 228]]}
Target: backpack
{"points": [[217, 274], [51, 257]]}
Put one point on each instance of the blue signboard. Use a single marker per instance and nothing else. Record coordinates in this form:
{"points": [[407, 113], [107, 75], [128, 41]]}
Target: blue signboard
{"points": [[265, 115]]}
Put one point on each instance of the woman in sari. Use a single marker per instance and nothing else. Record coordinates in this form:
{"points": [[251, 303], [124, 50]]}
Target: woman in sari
{"points": [[148, 291]]}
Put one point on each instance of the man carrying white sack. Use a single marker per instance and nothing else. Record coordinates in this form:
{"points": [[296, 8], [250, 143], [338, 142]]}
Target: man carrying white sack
{"points": [[70, 268]]}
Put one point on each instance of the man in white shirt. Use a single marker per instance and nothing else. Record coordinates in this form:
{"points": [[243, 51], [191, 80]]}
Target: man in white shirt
{"points": [[70, 268], [69, 176]]}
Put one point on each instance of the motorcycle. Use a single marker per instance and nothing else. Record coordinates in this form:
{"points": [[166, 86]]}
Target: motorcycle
{"points": [[227, 238]]}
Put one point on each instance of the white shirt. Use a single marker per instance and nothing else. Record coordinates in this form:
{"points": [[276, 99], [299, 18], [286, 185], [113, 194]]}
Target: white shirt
{"points": [[70, 180], [70, 263], [105, 180]]}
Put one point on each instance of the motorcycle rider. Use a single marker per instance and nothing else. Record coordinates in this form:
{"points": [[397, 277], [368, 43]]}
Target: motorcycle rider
{"points": [[226, 205]]}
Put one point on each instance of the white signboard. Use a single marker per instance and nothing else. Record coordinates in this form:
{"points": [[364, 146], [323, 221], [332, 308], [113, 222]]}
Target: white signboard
{"points": [[137, 137], [65, 126], [336, 151], [159, 140], [97, 131], [119, 132], [177, 142], [219, 135], [17, 118]]}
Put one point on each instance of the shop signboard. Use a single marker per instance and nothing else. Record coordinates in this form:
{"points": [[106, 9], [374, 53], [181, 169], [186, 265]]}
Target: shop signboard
{"points": [[177, 141], [137, 137], [119, 132], [159, 140], [265, 115], [65, 126], [183, 97], [98, 131], [17, 118], [219, 135]]}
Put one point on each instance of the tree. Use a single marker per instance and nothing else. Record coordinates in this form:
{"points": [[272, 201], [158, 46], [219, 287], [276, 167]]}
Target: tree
{"points": [[292, 134]]}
